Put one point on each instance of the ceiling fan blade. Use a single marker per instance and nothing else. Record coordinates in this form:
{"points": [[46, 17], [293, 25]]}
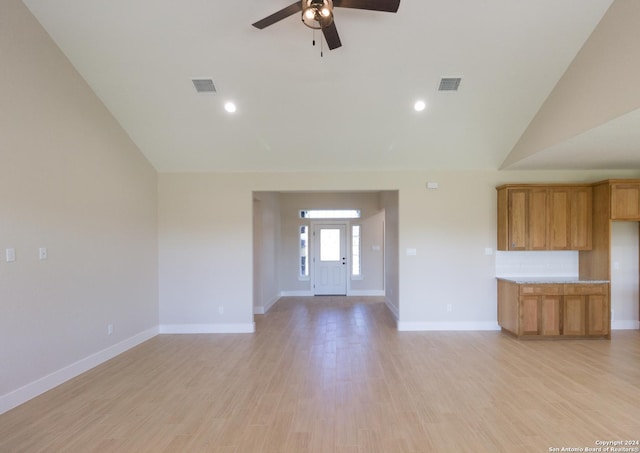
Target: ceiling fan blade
{"points": [[278, 16], [330, 33], [390, 6]]}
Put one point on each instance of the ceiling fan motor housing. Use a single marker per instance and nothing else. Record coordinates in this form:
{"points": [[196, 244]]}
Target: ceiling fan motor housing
{"points": [[317, 14]]}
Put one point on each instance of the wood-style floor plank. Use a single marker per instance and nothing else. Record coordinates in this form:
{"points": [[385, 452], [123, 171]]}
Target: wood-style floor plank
{"points": [[332, 374]]}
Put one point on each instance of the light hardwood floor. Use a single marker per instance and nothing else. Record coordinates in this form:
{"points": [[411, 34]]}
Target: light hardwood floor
{"points": [[332, 374]]}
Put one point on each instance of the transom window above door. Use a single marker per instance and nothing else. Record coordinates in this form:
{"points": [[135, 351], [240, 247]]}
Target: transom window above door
{"points": [[329, 213]]}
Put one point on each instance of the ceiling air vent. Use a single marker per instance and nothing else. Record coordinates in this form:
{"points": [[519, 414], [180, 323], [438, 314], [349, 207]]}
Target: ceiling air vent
{"points": [[449, 84], [204, 85]]}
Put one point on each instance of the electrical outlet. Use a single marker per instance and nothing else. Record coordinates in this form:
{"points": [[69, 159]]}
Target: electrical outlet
{"points": [[110, 329], [10, 255], [42, 253], [449, 308], [221, 310]]}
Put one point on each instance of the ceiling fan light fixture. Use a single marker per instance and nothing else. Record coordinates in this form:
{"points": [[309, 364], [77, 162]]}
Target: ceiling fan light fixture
{"points": [[317, 14]]}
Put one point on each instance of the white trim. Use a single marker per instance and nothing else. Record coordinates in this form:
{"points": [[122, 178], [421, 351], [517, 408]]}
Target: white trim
{"points": [[625, 325], [358, 276], [392, 308], [46, 383], [249, 327], [271, 303], [262, 309], [303, 293], [366, 292], [457, 326]]}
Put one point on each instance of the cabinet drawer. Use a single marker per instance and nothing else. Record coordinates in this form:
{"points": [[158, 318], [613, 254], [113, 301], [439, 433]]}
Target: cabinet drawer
{"points": [[526, 290], [585, 289]]}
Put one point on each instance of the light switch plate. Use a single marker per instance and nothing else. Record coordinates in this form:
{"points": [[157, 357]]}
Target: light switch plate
{"points": [[42, 253], [10, 255]]}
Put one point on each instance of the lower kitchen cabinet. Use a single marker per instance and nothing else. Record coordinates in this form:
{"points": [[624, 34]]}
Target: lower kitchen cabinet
{"points": [[586, 310], [540, 314], [554, 310]]}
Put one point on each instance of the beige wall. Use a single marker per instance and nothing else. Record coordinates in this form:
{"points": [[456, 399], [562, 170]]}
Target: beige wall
{"points": [[371, 255], [266, 243], [205, 252], [71, 181], [389, 202], [207, 216]]}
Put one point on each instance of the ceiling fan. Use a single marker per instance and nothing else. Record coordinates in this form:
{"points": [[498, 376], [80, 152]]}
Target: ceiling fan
{"points": [[318, 14]]}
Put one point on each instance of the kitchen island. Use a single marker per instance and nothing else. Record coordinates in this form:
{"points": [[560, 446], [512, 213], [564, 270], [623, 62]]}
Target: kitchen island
{"points": [[554, 308]]}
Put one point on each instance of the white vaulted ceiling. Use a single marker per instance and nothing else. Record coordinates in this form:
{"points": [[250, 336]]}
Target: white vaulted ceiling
{"points": [[353, 108]]}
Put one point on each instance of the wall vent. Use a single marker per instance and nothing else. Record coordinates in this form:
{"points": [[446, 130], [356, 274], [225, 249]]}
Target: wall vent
{"points": [[204, 85], [449, 84]]}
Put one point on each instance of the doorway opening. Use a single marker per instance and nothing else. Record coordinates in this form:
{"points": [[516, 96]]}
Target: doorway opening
{"points": [[625, 291], [347, 256]]}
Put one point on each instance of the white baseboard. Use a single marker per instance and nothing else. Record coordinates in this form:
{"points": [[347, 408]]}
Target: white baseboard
{"points": [[392, 308], [262, 309], [249, 327], [271, 302], [303, 293], [441, 326], [355, 292], [625, 325], [366, 292], [46, 383]]}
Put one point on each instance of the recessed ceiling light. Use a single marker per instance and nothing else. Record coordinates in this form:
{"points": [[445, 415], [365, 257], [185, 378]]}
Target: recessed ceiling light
{"points": [[419, 106], [230, 107]]}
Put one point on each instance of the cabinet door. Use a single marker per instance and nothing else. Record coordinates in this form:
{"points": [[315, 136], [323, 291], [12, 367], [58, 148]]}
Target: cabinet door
{"points": [[570, 216], [597, 315], [517, 219], [540, 315], [580, 218], [559, 218], [625, 201], [538, 219], [550, 315], [574, 315], [529, 315]]}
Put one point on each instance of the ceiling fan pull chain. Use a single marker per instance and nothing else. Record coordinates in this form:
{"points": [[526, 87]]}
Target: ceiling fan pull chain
{"points": [[321, 46], [314, 37]]}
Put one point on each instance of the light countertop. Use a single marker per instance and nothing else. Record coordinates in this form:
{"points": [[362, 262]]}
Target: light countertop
{"points": [[550, 280]]}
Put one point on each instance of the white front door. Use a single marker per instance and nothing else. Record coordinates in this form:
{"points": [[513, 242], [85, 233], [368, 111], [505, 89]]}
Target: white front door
{"points": [[330, 259]]}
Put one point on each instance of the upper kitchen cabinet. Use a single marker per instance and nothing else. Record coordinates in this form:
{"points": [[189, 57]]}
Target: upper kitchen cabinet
{"points": [[570, 216], [544, 217], [625, 200]]}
